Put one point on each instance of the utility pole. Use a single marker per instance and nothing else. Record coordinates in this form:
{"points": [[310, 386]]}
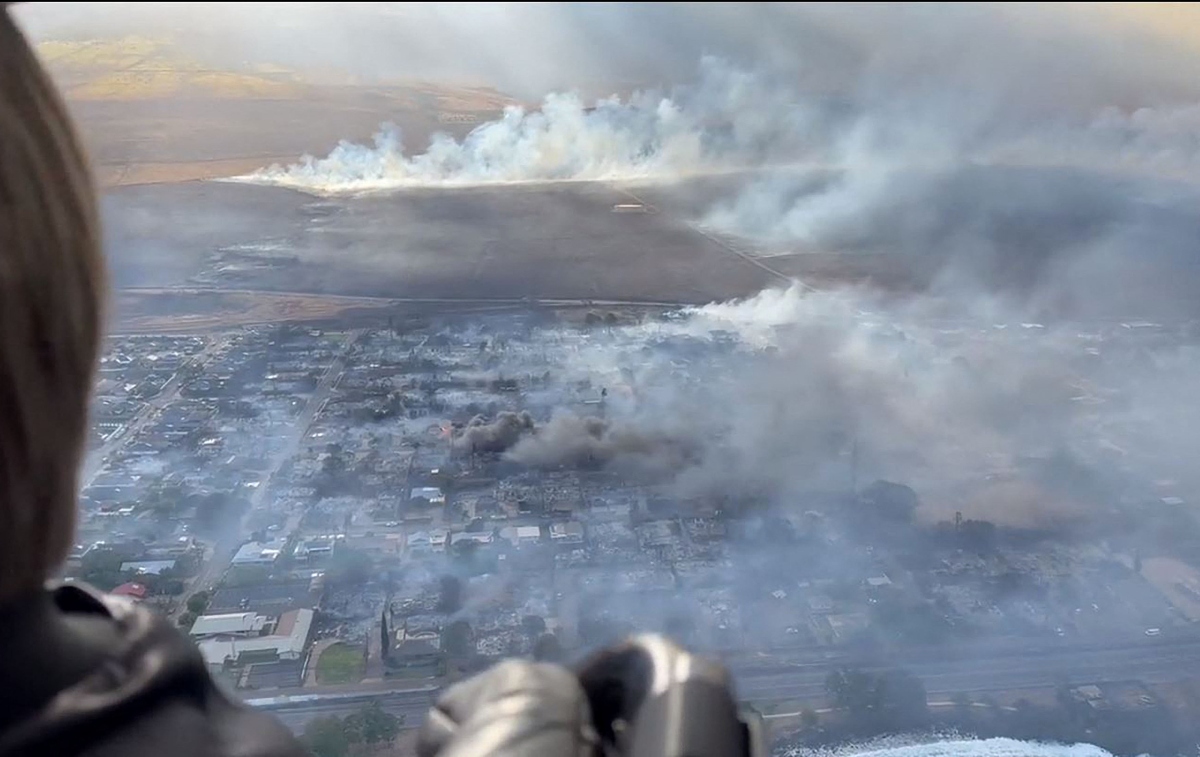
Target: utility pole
{"points": [[854, 465]]}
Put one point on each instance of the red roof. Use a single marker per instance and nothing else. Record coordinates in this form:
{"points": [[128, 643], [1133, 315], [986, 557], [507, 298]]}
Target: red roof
{"points": [[137, 591]]}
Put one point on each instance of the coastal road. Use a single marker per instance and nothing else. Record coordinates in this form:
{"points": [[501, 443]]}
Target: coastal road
{"points": [[410, 705], [1150, 662], [364, 301]]}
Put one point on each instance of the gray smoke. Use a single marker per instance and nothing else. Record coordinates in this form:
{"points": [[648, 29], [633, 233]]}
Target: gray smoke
{"points": [[481, 436], [589, 442], [827, 391]]}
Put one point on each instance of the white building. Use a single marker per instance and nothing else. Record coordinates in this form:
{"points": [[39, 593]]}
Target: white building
{"points": [[288, 642], [521, 535], [229, 624], [570, 532], [147, 567], [430, 494], [478, 537], [258, 553]]}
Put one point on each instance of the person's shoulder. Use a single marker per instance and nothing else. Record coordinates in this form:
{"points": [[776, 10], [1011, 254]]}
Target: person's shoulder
{"points": [[177, 728], [152, 695]]}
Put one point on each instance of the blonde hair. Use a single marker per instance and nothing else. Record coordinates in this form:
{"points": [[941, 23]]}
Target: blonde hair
{"points": [[51, 299]]}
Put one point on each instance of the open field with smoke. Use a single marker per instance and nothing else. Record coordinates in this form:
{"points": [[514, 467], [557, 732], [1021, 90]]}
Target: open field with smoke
{"points": [[1043, 171]]}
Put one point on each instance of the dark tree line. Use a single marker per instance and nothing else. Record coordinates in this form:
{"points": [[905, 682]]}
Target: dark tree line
{"points": [[331, 736], [875, 703]]}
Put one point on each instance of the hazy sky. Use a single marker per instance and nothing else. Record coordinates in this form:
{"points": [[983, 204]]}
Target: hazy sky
{"points": [[1080, 55]]}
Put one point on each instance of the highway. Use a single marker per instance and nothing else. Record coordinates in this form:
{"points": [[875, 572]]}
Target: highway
{"points": [[365, 301], [411, 705], [782, 681], [1152, 663]]}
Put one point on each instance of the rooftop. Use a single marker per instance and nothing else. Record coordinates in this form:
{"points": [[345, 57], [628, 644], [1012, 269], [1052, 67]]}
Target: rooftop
{"points": [[147, 567], [135, 590], [253, 553], [229, 623], [432, 494], [288, 646]]}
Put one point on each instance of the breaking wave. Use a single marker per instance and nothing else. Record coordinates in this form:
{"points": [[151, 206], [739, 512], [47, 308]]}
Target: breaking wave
{"points": [[958, 747]]}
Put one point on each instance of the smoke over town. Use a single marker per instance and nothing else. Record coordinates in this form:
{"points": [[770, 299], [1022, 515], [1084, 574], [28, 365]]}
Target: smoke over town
{"points": [[816, 337]]}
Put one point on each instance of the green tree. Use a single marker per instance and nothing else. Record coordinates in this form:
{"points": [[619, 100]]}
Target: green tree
{"points": [[851, 690], [902, 699], [891, 700], [198, 602], [326, 736], [809, 718], [371, 725], [187, 619]]}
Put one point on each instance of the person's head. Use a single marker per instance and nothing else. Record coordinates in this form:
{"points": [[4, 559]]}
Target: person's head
{"points": [[51, 298]]}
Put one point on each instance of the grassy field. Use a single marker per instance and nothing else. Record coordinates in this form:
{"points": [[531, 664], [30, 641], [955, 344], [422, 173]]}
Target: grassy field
{"points": [[340, 663]]}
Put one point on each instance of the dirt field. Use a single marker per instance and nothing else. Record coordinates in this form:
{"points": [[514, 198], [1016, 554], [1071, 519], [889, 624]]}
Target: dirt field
{"points": [[149, 115], [549, 241], [166, 312], [150, 141]]}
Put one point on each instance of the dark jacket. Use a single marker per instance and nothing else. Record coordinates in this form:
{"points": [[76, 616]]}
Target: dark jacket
{"points": [[87, 675]]}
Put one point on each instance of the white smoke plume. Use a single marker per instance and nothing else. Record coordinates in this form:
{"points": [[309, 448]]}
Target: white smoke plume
{"points": [[730, 119]]}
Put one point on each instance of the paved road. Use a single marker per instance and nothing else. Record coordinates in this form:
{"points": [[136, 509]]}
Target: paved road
{"points": [[150, 410], [351, 300], [411, 705], [225, 548], [1151, 662]]}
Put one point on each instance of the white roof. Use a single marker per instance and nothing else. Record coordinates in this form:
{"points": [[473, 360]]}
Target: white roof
{"points": [[528, 532], [230, 622], [148, 567], [431, 493], [570, 528], [479, 537], [217, 651], [255, 552]]}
